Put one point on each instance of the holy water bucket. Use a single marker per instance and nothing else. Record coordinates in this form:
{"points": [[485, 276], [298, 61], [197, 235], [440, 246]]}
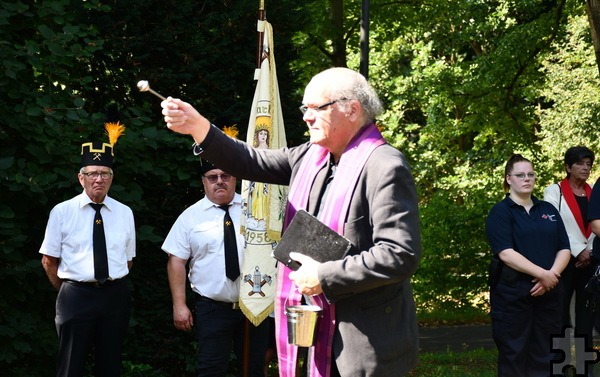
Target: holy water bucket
{"points": [[302, 323]]}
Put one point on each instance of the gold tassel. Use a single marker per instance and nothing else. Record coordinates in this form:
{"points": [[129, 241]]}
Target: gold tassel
{"points": [[114, 131], [231, 131]]}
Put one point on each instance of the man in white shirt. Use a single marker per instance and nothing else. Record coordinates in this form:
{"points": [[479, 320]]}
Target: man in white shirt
{"points": [[198, 236], [94, 301]]}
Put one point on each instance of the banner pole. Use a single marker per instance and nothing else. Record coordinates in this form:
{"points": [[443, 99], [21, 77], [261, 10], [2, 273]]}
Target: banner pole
{"points": [[259, 51], [259, 40]]}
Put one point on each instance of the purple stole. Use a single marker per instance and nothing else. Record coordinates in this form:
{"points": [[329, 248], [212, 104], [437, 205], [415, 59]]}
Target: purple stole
{"points": [[574, 207], [333, 215]]}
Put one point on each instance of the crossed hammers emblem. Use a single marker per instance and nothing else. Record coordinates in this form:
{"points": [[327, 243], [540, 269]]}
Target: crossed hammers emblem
{"points": [[256, 282]]}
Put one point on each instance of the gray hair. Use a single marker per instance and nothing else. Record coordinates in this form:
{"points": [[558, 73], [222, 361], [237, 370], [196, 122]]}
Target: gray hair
{"points": [[347, 84]]}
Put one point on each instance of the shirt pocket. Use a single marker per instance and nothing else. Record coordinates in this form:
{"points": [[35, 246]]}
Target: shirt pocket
{"points": [[207, 237], [117, 243]]}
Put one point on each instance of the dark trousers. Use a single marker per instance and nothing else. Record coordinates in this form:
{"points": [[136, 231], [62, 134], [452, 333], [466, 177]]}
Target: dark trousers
{"points": [[87, 318], [221, 329], [575, 280], [523, 326]]}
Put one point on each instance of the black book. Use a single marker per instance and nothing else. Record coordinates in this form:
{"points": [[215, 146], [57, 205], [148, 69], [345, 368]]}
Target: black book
{"points": [[309, 236]]}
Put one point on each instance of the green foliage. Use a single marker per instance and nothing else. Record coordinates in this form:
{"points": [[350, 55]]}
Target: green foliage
{"points": [[140, 370], [68, 68], [571, 96], [465, 84], [38, 112], [446, 314], [472, 363], [458, 110]]}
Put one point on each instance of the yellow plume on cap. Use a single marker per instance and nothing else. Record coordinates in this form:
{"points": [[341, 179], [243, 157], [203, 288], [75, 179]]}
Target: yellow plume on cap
{"points": [[114, 131], [231, 131]]}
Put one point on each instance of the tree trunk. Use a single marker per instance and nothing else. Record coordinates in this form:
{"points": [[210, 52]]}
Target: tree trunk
{"points": [[593, 11], [338, 56]]}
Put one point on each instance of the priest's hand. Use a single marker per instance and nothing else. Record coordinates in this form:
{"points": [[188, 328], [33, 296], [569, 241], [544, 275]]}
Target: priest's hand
{"points": [[183, 118], [306, 278]]}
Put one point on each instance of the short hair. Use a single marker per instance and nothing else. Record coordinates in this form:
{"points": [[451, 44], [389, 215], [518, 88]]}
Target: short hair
{"points": [[356, 87], [576, 154], [508, 168]]}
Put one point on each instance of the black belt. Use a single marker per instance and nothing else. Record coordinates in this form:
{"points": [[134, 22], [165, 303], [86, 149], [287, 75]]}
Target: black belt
{"points": [[95, 284], [231, 305]]}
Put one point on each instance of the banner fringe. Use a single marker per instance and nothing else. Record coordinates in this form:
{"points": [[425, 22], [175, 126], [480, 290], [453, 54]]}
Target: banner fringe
{"points": [[274, 235], [256, 320]]}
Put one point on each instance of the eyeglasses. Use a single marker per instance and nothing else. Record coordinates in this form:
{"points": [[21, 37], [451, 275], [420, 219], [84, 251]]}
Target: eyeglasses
{"points": [[305, 108], [214, 178], [94, 175], [522, 176]]}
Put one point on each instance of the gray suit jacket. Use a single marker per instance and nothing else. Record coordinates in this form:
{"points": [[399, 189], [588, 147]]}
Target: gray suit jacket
{"points": [[376, 332]]}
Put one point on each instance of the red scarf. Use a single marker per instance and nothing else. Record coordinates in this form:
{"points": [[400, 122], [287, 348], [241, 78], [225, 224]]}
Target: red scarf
{"points": [[567, 193]]}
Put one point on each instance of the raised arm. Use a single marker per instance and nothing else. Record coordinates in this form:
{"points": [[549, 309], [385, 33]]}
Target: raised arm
{"points": [[183, 118]]}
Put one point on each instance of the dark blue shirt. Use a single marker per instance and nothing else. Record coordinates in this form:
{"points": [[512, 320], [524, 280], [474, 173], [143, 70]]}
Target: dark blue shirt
{"points": [[594, 214], [537, 235]]}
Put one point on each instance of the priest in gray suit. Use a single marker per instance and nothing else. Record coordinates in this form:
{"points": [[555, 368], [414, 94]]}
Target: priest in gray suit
{"points": [[361, 187]]}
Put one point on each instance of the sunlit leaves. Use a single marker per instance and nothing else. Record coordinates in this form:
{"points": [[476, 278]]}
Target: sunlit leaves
{"points": [[466, 84]]}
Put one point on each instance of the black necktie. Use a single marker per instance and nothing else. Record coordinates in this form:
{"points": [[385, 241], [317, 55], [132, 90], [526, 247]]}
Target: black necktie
{"points": [[232, 267], [100, 257]]}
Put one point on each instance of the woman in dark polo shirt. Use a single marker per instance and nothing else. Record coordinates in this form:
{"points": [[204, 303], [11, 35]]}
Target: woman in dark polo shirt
{"points": [[528, 239]]}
